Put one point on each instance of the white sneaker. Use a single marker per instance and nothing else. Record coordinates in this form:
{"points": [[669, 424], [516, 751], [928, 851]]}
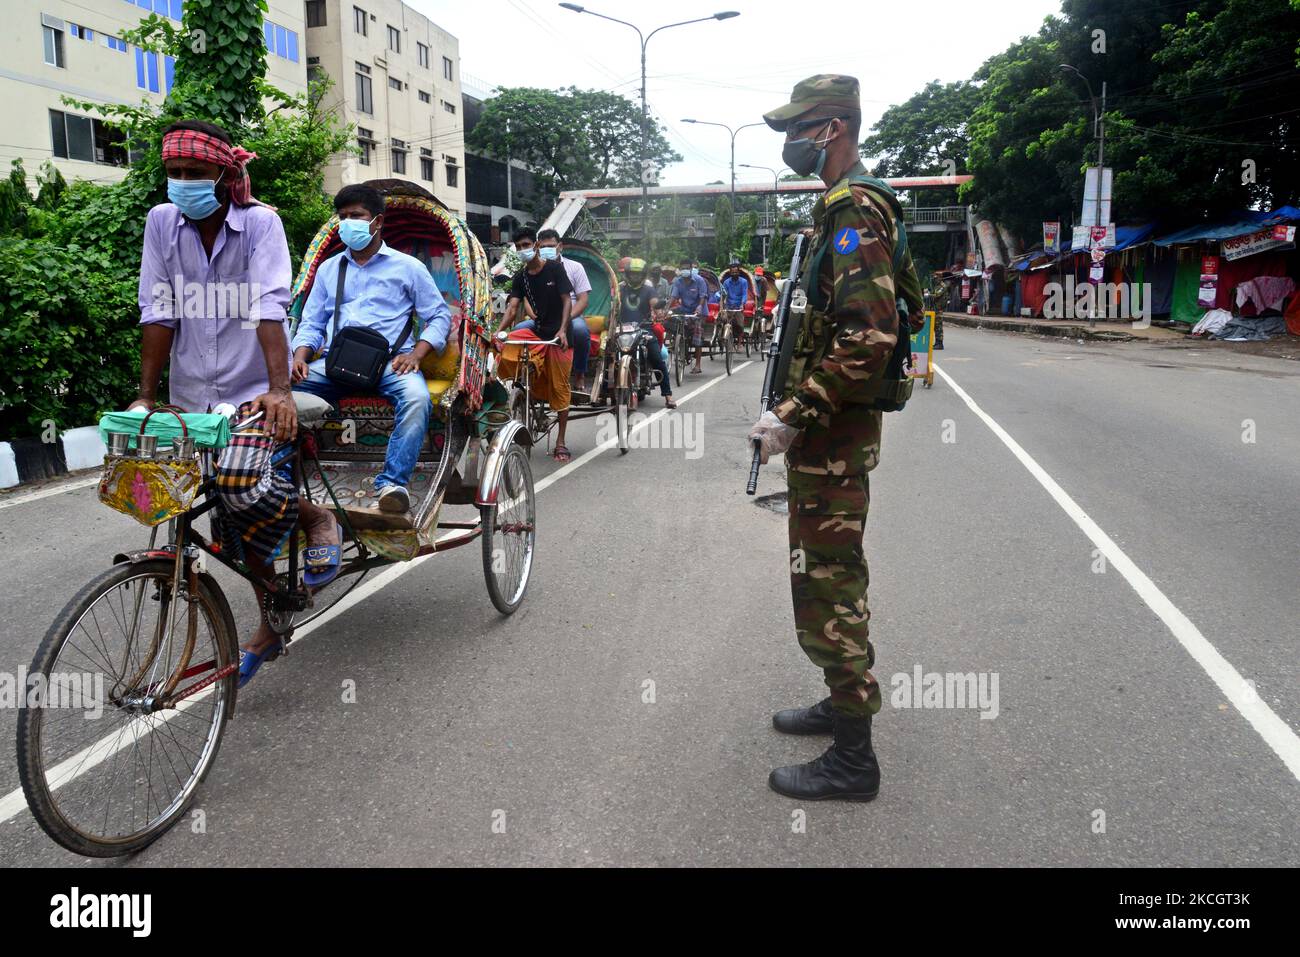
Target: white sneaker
{"points": [[394, 499]]}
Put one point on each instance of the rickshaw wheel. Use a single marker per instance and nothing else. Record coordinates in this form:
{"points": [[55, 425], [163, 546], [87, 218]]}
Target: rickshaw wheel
{"points": [[510, 533], [727, 349]]}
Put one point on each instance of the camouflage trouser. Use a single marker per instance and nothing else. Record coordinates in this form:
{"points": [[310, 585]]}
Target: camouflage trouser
{"points": [[829, 494]]}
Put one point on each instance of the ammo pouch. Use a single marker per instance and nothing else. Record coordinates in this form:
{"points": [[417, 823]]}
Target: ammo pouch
{"points": [[358, 356]]}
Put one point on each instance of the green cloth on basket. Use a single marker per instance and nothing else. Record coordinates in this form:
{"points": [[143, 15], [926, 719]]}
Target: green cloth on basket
{"points": [[209, 431]]}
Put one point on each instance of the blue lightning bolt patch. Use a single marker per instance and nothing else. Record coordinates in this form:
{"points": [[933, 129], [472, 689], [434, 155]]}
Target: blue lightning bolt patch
{"points": [[846, 241]]}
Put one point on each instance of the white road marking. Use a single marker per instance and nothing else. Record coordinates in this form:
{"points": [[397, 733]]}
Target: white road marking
{"points": [[14, 803], [47, 492], [1277, 734]]}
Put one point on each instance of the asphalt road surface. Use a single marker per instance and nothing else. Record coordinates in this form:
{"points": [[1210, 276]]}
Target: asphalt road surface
{"points": [[1108, 543]]}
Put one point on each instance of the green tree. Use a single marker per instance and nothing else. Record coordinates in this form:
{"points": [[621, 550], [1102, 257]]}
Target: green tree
{"points": [[569, 138], [925, 136]]}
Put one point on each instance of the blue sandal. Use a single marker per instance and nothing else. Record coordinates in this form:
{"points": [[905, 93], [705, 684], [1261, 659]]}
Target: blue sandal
{"points": [[321, 562], [250, 662]]}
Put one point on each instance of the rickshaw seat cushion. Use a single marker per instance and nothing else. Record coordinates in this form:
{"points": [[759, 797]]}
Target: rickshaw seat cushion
{"points": [[445, 366], [312, 409], [437, 387]]}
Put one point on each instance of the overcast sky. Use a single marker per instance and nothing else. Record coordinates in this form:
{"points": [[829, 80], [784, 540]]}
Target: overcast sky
{"points": [[732, 71]]}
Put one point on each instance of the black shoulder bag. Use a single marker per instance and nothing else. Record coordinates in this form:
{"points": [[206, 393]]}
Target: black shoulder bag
{"points": [[358, 356]]}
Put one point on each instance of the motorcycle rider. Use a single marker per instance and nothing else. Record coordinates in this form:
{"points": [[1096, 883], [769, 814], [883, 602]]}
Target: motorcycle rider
{"points": [[638, 298]]}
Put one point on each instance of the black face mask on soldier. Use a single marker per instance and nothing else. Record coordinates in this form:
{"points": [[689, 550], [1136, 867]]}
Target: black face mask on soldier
{"points": [[804, 156]]}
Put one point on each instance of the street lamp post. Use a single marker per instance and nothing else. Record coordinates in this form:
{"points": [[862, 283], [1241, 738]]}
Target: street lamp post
{"points": [[776, 186], [645, 39], [733, 150]]}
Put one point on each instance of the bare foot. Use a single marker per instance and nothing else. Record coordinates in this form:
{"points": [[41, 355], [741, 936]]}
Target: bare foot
{"points": [[320, 525]]}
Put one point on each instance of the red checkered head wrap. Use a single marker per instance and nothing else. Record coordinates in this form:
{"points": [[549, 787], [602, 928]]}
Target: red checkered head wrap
{"points": [[195, 144]]}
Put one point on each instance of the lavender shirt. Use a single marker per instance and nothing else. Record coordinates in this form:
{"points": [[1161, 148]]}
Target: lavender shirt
{"points": [[214, 306]]}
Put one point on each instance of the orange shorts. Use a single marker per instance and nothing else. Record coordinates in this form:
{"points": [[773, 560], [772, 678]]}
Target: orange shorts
{"points": [[551, 369]]}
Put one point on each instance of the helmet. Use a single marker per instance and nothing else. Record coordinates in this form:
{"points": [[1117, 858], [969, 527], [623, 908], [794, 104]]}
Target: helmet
{"points": [[734, 264], [634, 267]]}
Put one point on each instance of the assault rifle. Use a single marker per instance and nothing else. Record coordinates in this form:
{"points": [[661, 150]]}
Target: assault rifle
{"points": [[789, 317]]}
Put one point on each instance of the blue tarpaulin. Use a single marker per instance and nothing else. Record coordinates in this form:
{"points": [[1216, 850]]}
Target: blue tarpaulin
{"points": [[1242, 224]]}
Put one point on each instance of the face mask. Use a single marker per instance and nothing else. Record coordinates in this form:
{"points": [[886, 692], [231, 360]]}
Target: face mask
{"points": [[549, 253], [695, 274], [804, 156], [197, 198], [355, 233], [527, 254]]}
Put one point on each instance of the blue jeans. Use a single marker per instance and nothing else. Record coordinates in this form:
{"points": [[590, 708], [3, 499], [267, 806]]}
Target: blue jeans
{"points": [[409, 393], [655, 356], [579, 341]]}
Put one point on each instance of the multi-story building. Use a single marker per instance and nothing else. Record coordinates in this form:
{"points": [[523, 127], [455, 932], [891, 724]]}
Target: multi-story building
{"points": [[497, 193], [56, 48], [397, 78]]}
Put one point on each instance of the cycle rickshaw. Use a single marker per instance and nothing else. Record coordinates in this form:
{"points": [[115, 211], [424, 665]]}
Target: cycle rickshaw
{"points": [[156, 628]]}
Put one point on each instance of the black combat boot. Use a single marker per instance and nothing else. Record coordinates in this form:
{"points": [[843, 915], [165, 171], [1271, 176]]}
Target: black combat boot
{"points": [[814, 720], [846, 772]]}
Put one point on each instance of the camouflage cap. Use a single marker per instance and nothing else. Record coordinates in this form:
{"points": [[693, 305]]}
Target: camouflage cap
{"points": [[824, 89]]}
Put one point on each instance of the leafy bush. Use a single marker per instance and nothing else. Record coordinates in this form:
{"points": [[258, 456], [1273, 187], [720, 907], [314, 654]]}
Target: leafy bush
{"points": [[70, 349], [70, 259]]}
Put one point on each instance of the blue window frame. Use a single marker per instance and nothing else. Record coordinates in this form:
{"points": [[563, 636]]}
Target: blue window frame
{"points": [[139, 68], [162, 6], [151, 67], [281, 42], [169, 68], [268, 33], [146, 4], [88, 34], [178, 9], [74, 29], [293, 47]]}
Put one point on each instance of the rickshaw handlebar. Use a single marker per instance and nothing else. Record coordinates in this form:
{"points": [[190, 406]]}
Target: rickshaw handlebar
{"points": [[503, 339]]}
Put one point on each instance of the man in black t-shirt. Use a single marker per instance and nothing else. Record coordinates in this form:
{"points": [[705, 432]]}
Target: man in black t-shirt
{"points": [[544, 285]]}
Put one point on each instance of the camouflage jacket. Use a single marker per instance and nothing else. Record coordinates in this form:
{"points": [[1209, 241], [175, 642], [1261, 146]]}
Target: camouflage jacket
{"points": [[851, 326]]}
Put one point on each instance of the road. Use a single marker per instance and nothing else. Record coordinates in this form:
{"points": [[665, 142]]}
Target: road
{"points": [[1115, 738]]}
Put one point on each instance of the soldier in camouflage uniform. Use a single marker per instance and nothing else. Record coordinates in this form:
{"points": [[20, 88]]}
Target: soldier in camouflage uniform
{"points": [[858, 274]]}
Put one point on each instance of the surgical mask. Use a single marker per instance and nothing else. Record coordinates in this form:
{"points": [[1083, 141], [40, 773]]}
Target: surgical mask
{"points": [[196, 198], [804, 156], [527, 254], [355, 233], [549, 253], [695, 274]]}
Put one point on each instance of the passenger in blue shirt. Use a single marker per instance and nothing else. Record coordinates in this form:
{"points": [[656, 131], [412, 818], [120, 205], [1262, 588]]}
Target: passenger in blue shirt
{"points": [[690, 296], [735, 292], [381, 289]]}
